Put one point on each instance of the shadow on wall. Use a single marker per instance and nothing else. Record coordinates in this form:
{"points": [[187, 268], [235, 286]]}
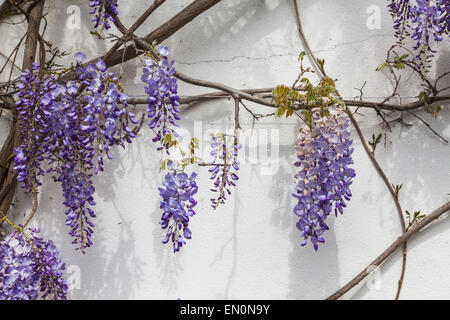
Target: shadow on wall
{"points": [[119, 267], [197, 119], [424, 175], [308, 268], [169, 264], [230, 21], [443, 66], [424, 186], [73, 34], [231, 25]]}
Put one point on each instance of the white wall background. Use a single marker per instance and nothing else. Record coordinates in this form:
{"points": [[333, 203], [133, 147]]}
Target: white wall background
{"points": [[250, 248]]}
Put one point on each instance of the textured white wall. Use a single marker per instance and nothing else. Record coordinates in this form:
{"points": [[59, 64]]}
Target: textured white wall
{"points": [[250, 248]]}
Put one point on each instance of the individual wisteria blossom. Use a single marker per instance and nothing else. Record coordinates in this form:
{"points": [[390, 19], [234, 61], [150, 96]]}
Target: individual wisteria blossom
{"points": [[161, 88], [30, 268], [422, 20], [177, 192], [225, 164], [322, 184], [102, 10], [69, 128]]}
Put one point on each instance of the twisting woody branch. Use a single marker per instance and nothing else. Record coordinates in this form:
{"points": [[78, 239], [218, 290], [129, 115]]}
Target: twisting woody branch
{"points": [[65, 121]]}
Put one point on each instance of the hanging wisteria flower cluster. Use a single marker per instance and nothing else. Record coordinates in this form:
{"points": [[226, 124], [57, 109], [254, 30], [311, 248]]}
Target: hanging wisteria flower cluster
{"points": [[324, 154], [161, 88], [400, 12], [70, 132], [423, 21], [225, 164], [177, 192], [30, 268], [102, 10]]}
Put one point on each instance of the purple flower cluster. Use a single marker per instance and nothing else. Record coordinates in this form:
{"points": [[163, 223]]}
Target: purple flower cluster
{"points": [[177, 192], [161, 88], [427, 20], [103, 11], [31, 118], [30, 267], [324, 154], [224, 162], [71, 127], [400, 12]]}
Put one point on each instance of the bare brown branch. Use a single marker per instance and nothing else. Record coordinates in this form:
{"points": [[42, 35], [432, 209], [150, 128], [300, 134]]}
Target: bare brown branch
{"points": [[162, 33], [416, 228], [29, 57]]}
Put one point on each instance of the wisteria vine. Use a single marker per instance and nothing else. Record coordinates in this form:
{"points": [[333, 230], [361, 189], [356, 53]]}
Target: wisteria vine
{"points": [[67, 128]]}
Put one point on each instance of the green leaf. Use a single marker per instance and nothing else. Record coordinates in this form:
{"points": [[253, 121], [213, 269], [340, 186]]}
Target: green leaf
{"points": [[381, 66], [289, 113], [301, 56]]}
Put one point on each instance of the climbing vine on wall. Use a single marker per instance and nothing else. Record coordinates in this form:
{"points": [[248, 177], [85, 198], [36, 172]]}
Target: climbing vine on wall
{"points": [[67, 119]]}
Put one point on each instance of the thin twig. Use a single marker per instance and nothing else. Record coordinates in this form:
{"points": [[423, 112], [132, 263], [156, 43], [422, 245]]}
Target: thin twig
{"points": [[428, 126], [33, 210], [133, 28], [237, 125]]}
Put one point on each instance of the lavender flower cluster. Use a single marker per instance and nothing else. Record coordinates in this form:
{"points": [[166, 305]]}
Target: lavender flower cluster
{"points": [[177, 192], [103, 11], [161, 88], [33, 89], [322, 183], [225, 164], [69, 128], [30, 267], [400, 12], [427, 20]]}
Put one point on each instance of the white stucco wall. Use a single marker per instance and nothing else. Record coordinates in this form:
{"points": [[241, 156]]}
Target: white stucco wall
{"points": [[250, 248]]}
